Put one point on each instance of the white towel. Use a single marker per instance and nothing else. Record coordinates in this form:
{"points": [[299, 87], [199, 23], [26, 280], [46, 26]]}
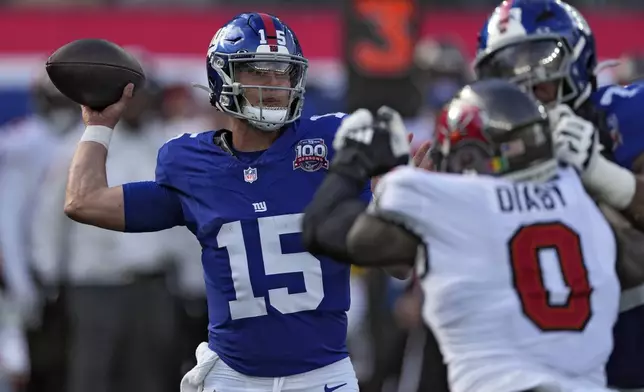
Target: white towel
{"points": [[206, 359]]}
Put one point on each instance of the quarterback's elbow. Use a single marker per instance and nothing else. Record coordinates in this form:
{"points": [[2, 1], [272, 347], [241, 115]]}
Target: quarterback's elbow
{"points": [[100, 209], [74, 209]]}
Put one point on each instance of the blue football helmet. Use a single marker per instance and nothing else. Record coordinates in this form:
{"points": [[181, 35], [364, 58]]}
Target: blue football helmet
{"points": [[256, 71], [546, 46]]}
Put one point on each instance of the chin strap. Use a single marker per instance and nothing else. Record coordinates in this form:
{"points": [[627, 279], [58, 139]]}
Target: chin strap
{"points": [[202, 87]]}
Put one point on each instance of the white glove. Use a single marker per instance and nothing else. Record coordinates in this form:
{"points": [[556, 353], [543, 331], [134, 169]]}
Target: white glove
{"points": [[576, 142], [193, 381]]}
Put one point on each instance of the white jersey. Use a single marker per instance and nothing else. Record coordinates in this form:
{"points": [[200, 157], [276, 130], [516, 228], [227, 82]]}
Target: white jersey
{"points": [[519, 278]]}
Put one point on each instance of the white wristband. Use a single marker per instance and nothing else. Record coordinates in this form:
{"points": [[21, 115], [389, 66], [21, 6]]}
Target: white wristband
{"points": [[98, 134], [612, 183]]}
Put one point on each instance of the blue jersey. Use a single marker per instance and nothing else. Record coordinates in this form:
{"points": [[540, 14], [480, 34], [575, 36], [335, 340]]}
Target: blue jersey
{"points": [[274, 309], [624, 107]]}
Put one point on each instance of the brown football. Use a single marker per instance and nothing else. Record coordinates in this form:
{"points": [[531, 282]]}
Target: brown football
{"points": [[94, 72]]}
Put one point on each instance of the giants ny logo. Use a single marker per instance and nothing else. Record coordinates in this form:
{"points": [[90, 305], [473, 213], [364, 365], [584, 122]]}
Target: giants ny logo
{"points": [[260, 207], [310, 155]]}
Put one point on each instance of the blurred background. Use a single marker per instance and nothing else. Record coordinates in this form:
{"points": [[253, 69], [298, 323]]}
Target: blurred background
{"points": [[86, 309]]}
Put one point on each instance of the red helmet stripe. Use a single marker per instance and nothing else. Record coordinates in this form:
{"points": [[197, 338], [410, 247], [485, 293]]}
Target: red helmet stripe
{"points": [[269, 28]]}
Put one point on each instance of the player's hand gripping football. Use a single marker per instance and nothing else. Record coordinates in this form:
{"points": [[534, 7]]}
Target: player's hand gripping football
{"points": [[111, 115], [369, 146]]}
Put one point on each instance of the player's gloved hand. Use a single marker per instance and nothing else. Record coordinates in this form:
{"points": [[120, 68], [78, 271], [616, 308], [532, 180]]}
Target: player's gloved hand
{"points": [[367, 146], [576, 142]]}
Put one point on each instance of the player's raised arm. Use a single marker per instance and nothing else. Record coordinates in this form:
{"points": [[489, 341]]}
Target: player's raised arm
{"points": [[134, 207], [88, 199], [335, 223]]}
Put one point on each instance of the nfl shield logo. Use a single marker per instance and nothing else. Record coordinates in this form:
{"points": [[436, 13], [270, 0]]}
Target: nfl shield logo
{"points": [[250, 175]]}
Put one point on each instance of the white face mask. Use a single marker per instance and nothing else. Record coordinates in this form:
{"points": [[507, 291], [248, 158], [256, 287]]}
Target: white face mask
{"points": [[272, 119]]}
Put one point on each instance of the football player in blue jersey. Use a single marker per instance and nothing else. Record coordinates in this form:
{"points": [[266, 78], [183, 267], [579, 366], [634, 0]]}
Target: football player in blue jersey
{"points": [[547, 47], [277, 314]]}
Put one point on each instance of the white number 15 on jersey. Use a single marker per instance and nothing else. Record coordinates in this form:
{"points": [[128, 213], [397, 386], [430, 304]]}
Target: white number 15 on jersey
{"points": [[275, 262]]}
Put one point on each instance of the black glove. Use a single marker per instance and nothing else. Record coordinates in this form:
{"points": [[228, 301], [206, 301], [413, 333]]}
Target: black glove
{"points": [[367, 147]]}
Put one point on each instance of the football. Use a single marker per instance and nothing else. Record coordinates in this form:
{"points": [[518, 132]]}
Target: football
{"points": [[94, 72]]}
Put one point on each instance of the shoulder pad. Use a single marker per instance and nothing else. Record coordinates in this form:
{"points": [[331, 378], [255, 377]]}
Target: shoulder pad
{"points": [[623, 107], [400, 176], [325, 124], [174, 145], [182, 138], [607, 96], [336, 115], [175, 156], [322, 126]]}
